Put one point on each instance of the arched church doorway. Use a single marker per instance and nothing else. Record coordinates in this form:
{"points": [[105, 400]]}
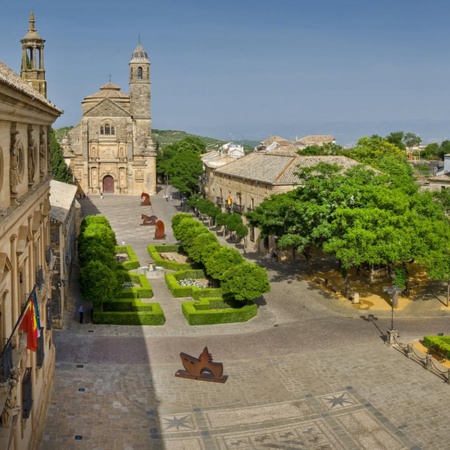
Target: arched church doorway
{"points": [[108, 185]]}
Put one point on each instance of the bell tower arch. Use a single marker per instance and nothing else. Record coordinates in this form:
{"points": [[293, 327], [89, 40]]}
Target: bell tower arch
{"points": [[32, 69]]}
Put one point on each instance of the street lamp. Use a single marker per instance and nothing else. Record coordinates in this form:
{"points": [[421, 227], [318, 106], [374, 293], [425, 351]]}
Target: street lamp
{"points": [[393, 291]]}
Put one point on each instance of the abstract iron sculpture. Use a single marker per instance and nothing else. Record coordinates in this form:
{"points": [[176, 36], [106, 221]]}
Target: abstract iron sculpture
{"points": [[159, 231], [145, 199], [202, 368], [148, 220]]}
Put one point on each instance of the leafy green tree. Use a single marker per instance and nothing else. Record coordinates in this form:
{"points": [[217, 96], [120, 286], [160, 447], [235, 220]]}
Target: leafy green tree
{"points": [[241, 231], [320, 150], [218, 262], [412, 140], [203, 245], [58, 166], [98, 282], [177, 218], [396, 138], [182, 164], [244, 282], [432, 151]]}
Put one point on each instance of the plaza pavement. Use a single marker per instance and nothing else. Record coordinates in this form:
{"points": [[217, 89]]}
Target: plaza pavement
{"points": [[306, 373]]}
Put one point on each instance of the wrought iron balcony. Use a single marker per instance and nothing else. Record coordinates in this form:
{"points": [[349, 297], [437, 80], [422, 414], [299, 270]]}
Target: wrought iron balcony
{"points": [[219, 201], [238, 208], [6, 363], [250, 209], [40, 278]]}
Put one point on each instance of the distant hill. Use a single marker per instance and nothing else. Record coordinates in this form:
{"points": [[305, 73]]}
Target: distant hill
{"points": [[167, 137]]}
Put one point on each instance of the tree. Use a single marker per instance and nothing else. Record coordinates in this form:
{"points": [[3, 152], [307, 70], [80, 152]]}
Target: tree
{"points": [[412, 140], [244, 282], [202, 246], [58, 166], [396, 138], [181, 162], [218, 262], [98, 282]]}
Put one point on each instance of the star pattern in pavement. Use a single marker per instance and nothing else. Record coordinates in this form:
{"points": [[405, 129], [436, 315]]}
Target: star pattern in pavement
{"points": [[177, 422], [338, 401]]}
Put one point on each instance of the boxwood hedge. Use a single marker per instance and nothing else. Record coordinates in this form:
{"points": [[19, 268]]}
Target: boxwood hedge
{"points": [[133, 262], [439, 344], [126, 312], [204, 312], [145, 291], [155, 250]]}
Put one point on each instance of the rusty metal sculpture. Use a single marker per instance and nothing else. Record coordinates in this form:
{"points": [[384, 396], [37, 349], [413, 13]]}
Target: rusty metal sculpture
{"points": [[202, 368], [148, 220], [159, 231], [145, 199]]}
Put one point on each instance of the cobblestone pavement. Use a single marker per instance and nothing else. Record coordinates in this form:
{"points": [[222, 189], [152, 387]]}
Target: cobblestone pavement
{"points": [[307, 373]]}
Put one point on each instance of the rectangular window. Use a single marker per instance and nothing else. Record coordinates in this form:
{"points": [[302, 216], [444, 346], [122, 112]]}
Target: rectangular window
{"points": [[27, 394]]}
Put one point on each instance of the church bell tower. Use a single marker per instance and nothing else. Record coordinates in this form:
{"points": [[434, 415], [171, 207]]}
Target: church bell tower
{"points": [[140, 101], [33, 59]]}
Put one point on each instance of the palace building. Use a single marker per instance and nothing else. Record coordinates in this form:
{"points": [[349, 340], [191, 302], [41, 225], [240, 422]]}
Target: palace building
{"points": [[111, 150], [27, 358]]}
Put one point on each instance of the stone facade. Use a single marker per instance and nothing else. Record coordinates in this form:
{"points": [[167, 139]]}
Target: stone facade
{"points": [[111, 150], [25, 376]]}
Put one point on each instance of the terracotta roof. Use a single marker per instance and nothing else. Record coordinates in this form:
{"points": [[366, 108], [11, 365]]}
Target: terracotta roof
{"points": [[10, 78], [278, 169], [61, 197], [315, 139], [109, 90]]}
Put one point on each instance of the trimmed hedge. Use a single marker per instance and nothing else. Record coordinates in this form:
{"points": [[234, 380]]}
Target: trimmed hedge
{"points": [[154, 250], [439, 344], [139, 313], [204, 313], [172, 281], [145, 291], [133, 262]]}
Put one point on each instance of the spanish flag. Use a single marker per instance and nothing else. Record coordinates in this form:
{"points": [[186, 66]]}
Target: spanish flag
{"points": [[29, 325], [230, 200]]}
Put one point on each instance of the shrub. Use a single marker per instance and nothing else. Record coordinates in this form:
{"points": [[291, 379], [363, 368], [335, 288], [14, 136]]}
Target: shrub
{"points": [[219, 261], [204, 312], [439, 344], [245, 282], [133, 313]]}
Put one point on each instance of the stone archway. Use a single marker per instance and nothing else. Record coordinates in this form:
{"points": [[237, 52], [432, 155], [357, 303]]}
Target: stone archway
{"points": [[108, 184]]}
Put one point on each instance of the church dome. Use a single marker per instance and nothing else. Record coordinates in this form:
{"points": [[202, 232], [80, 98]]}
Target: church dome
{"points": [[139, 55]]}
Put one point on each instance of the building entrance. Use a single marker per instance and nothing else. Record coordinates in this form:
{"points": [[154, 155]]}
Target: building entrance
{"points": [[108, 185]]}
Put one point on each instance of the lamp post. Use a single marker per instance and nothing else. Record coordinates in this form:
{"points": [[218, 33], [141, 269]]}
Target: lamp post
{"points": [[393, 291]]}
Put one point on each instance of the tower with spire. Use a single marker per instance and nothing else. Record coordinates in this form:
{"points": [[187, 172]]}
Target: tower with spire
{"points": [[33, 58], [140, 100]]}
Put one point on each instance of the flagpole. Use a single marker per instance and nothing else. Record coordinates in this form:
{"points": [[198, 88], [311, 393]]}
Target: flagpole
{"points": [[19, 321]]}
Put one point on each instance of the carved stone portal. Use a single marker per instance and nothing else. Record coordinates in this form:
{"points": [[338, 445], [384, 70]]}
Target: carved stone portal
{"points": [[145, 199], [202, 368], [148, 220], [159, 231]]}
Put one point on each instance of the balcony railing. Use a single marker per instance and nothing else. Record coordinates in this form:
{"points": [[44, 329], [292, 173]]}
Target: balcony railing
{"points": [[250, 209], [238, 208], [219, 201]]}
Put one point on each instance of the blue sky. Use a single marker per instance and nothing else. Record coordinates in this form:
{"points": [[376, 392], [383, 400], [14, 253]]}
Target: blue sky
{"points": [[251, 69]]}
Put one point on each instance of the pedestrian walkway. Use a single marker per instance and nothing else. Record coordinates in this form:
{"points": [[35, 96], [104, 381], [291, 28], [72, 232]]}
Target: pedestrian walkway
{"points": [[305, 373]]}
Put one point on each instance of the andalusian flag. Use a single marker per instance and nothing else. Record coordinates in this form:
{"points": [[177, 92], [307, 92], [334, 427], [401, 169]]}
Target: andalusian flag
{"points": [[29, 324]]}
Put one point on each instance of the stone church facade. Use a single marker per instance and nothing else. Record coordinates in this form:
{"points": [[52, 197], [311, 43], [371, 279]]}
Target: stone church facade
{"points": [[111, 150]]}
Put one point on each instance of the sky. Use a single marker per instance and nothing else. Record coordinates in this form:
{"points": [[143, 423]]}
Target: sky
{"points": [[249, 69]]}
